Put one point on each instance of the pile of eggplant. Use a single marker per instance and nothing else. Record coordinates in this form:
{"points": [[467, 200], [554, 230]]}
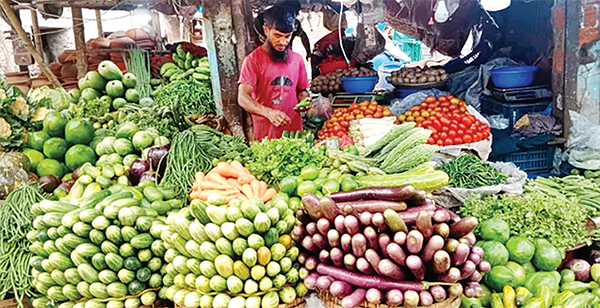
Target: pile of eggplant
{"points": [[389, 245]]}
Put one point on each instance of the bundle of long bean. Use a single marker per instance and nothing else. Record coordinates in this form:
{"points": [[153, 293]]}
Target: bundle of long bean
{"points": [[469, 171], [139, 65], [15, 223], [185, 158], [194, 97]]}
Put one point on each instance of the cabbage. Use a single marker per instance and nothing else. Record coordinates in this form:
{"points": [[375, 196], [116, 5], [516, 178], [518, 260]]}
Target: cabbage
{"points": [[253, 302], [273, 268], [286, 264], [244, 227], [229, 231], [239, 245], [265, 284], [206, 301], [255, 241], [270, 300], [234, 213], [192, 299], [273, 215], [262, 223], [224, 265], [292, 276], [216, 214], [250, 287], [287, 295], [203, 284], [221, 300], [57, 99], [250, 257], [237, 302], [301, 290], [278, 252], [208, 269], [279, 281], [149, 298], [132, 303], [179, 297], [235, 285]]}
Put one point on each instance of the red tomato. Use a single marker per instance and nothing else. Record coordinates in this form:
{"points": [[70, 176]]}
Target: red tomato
{"points": [[468, 139], [444, 121], [445, 110], [437, 125], [452, 134], [448, 142], [445, 129], [430, 99], [353, 106], [458, 140], [460, 133], [423, 105], [469, 132], [467, 121], [345, 124], [453, 107], [443, 135], [427, 123], [445, 104], [430, 140], [480, 136], [453, 127], [337, 128], [462, 126], [440, 143], [442, 99], [340, 134], [486, 135]]}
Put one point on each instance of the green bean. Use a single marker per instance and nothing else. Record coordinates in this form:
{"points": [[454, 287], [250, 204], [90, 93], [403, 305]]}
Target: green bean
{"points": [[469, 171], [139, 65]]}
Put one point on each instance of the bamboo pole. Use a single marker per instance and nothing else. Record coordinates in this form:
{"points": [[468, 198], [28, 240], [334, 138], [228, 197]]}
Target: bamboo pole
{"points": [[36, 32], [16, 25], [99, 23], [82, 64]]}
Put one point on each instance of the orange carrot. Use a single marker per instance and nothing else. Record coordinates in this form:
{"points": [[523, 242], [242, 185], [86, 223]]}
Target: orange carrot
{"points": [[217, 178], [235, 183], [199, 177], [263, 188], [216, 186], [195, 195], [247, 191], [268, 195], [255, 188], [236, 164], [246, 179], [227, 171], [242, 197]]}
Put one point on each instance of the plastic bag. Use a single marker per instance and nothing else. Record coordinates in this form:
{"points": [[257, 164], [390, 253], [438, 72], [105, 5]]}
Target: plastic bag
{"points": [[399, 107], [584, 143], [498, 121], [450, 197], [321, 107]]}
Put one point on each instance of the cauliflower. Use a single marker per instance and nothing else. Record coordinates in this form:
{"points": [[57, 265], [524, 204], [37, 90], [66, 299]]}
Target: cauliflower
{"points": [[39, 114], [5, 129], [20, 106], [2, 94]]}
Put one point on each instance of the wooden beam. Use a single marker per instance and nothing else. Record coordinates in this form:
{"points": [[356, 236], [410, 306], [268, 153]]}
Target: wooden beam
{"points": [[16, 25], [571, 62], [219, 33], [37, 37], [99, 23], [239, 10], [82, 64]]}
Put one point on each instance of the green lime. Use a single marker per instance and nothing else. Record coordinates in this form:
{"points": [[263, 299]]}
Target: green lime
{"points": [[331, 186], [349, 184], [50, 166], [309, 172], [306, 187], [35, 157], [54, 124], [79, 131], [36, 140], [55, 148], [288, 185]]}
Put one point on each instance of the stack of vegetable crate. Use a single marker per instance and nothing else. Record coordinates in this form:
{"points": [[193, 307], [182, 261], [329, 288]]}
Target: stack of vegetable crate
{"points": [[387, 245]]}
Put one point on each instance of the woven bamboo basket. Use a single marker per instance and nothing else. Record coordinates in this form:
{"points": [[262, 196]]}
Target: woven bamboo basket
{"points": [[157, 304], [297, 303], [333, 302], [13, 303]]}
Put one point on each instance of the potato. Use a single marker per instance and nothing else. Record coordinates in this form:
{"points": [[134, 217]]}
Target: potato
{"points": [[444, 76], [423, 79], [431, 79], [418, 70], [405, 80], [413, 80]]}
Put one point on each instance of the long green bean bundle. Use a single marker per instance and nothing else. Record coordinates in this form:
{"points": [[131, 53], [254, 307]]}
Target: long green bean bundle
{"points": [[15, 223], [185, 158], [469, 171], [139, 65], [193, 97]]}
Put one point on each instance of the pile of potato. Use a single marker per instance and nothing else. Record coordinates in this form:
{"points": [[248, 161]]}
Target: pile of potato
{"points": [[331, 83], [417, 75]]}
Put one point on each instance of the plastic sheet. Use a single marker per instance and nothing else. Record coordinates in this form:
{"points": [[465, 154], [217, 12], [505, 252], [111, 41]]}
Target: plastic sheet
{"points": [[584, 143], [498, 121], [454, 197]]}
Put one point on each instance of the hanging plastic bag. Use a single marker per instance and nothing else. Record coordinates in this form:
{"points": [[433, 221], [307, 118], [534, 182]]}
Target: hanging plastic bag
{"points": [[584, 143]]}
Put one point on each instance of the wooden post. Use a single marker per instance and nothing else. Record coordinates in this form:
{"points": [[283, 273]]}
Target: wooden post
{"points": [[37, 37], [82, 64], [219, 31], [571, 63], [99, 23], [16, 25]]}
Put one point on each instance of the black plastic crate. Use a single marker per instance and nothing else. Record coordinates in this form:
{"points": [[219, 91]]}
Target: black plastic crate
{"points": [[513, 112], [536, 160]]}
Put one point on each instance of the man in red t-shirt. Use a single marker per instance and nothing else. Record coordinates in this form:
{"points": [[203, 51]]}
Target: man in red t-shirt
{"points": [[273, 79]]}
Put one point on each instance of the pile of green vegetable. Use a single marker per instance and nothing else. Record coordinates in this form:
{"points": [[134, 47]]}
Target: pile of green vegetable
{"points": [[469, 171], [15, 222], [139, 65], [585, 190], [191, 96], [14, 115], [234, 255], [534, 215], [101, 249]]}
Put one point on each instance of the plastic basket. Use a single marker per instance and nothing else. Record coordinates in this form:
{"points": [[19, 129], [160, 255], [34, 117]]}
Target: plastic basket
{"points": [[536, 160], [513, 112]]}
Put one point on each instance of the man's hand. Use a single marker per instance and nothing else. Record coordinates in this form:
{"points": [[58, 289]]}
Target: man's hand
{"points": [[278, 117]]}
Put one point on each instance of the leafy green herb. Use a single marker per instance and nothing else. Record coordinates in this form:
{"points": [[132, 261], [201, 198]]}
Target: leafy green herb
{"points": [[560, 221], [89, 108]]}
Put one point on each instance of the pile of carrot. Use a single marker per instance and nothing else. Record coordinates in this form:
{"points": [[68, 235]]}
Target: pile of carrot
{"points": [[232, 181]]}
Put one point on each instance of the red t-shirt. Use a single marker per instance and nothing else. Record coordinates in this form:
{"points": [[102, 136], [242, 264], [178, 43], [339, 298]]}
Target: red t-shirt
{"points": [[276, 86]]}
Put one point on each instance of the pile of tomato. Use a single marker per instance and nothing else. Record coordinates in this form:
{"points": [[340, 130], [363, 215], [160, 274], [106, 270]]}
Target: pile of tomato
{"points": [[447, 116], [339, 123]]}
